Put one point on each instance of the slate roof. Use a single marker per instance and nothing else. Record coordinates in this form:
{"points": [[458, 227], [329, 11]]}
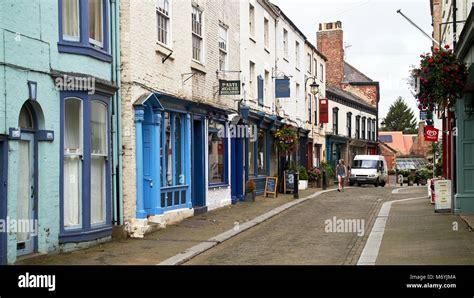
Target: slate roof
{"points": [[352, 74]]}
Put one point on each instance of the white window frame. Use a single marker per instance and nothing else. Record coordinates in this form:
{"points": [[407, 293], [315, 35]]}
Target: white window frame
{"points": [[252, 20], [297, 54], [223, 46], [92, 41], [266, 33], [106, 157], [79, 155], [73, 38], [197, 35], [285, 43], [166, 14]]}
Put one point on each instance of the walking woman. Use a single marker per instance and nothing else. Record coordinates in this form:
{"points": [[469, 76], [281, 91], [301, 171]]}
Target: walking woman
{"points": [[341, 171]]}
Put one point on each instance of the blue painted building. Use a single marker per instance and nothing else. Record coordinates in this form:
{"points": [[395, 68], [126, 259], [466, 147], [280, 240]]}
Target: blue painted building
{"points": [[58, 127]]}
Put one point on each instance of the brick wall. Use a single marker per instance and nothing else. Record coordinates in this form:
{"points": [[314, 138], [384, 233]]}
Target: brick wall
{"points": [[330, 43]]}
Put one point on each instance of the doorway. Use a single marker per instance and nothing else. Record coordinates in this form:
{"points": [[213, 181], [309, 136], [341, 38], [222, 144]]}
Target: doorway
{"points": [[198, 168]]}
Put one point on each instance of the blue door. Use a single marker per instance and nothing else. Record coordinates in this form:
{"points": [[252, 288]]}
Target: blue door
{"points": [[198, 167], [3, 199], [148, 155]]}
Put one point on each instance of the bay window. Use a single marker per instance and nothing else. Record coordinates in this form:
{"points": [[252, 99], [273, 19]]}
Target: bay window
{"points": [[83, 27], [85, 195]]}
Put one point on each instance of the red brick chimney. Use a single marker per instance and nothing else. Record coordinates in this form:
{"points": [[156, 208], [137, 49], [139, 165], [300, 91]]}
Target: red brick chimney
{"points": [[329, 40]]}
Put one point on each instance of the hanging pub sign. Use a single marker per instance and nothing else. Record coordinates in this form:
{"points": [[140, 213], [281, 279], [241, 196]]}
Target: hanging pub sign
{"points": [[282, 88], [229, 87], [323, 110], [431, 134]]}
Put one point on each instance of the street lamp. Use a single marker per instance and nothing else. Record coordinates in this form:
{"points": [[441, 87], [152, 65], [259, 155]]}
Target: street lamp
{"points": [[314, 87]]}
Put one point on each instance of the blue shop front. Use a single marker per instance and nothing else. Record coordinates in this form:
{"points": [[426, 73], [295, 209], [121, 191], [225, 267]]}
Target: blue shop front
{"points": [[180, 154]]}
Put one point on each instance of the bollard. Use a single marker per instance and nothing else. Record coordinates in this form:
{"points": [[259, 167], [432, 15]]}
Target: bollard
{"points": [[325, 182], [295, 190]]}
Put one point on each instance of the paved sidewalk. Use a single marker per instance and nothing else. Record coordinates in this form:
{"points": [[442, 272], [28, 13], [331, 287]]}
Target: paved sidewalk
{"points": [[163, 244], [416, 235]]}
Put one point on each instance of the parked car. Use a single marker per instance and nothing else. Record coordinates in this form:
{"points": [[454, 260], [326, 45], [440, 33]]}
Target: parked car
{"points": [[369, 169]]}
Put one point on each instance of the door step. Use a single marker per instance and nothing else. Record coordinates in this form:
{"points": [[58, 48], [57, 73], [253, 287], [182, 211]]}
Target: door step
{"points": [[199, 210]]}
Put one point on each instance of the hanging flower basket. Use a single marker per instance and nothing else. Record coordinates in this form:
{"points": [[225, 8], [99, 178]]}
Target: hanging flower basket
{"points": [[439, 80], [285, 139]]}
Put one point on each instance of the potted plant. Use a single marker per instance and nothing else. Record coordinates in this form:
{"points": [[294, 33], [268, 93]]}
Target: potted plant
{"points": [[329, 172], [250, 191], [314, 177], [303, 179]]}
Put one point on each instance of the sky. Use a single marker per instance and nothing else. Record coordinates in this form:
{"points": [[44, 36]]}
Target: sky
{"points": [[381, 43]]}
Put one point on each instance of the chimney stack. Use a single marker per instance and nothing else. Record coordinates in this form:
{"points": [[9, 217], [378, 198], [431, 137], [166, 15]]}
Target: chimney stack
{"points": [[329, 40]]}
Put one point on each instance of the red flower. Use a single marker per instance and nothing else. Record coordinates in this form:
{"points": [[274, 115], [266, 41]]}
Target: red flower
{"points": [[446, 46], [435, 50], [430, 60]]}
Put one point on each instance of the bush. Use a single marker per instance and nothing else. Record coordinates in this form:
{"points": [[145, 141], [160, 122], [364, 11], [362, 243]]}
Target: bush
{"points": [[303, 173], [327, 167], [249, 186], [314, 174], [392, 172]]}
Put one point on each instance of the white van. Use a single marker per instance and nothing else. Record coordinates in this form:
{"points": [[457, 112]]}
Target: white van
{"points": [[368, 169]]}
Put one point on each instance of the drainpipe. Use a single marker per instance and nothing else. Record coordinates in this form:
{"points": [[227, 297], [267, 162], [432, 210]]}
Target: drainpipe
{"points": [[454, 23], [116, 74]]}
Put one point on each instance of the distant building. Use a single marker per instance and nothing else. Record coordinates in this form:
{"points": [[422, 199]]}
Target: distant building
{"points": [[353, 101]]}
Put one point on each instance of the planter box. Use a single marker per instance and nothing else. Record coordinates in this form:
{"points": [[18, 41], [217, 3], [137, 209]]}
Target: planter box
{"points": [[302, 184], [250, 197]]}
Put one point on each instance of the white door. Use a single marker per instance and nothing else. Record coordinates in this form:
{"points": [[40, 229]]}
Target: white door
{"points": [[25, 209]]}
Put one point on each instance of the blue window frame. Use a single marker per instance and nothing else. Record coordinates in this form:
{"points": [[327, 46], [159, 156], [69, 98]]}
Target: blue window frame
{"points": [[85, 186], [217, 154], [84, 28]]}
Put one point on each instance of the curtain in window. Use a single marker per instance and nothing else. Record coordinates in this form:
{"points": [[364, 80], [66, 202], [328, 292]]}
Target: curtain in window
{"points": [[70, 19], [95, 21], [98, 135], [216, 153], [72, 162], [23, 187], [72, 198]]}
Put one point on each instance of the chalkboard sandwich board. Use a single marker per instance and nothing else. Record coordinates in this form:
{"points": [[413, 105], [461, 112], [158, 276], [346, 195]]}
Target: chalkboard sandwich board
{"points": [[289, 183], [271, 186]]}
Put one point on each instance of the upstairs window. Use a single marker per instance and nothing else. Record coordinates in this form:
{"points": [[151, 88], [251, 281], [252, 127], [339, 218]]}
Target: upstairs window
{"points": [[363, 127], [357, 128], [349, 124], [309, 109], [297, 54], [70, 20], [266, 33], [222, 47], [163, 20], [197, 33], [285, 43], [335, 121], [96, 25], [83, 28], [252, 20], [308, 62]]}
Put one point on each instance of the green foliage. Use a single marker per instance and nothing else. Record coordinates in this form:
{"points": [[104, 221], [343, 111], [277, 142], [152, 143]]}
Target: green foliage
{"points": [[425, 173], [440, 79], [329, 170], [285, 139], [314, 174], [303, 174], [400, 118]]}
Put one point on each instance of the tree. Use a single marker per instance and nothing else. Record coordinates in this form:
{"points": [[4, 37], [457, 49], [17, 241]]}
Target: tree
{"points": [[400, 118]]}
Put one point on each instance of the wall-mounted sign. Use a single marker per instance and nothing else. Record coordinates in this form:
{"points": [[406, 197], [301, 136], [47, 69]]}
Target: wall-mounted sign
{"points": [[323, 111], [229, 87], [282, 88], [45, 135], [14, 133], [431, 134]]}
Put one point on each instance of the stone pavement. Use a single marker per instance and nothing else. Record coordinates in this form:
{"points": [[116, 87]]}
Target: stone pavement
{"points": [[416, 235], [163, 244]]}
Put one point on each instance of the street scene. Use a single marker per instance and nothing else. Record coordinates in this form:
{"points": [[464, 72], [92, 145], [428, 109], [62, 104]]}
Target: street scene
{"points": [[249, 132]]}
